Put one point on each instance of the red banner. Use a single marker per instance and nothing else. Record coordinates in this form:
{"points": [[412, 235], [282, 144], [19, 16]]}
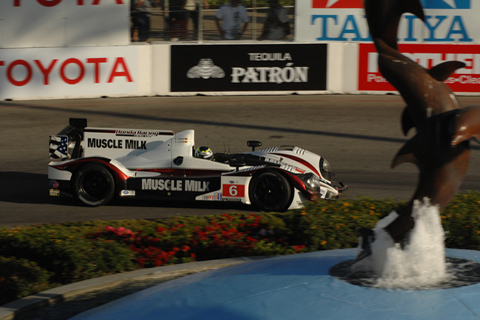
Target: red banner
{"points": [[336, 4], [427, 55]]}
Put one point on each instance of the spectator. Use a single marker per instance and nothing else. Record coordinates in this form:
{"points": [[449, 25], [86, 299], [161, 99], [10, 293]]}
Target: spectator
{"points": [[232, 15], [140, 15], [277, 25], [193, 8], [177, 19]]}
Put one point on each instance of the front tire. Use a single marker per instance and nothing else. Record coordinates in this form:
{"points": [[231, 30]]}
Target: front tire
{"points": [[94, 185], [270, 191]]}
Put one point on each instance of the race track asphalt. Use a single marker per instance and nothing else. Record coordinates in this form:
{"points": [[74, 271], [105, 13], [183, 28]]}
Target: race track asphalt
{"points": [[358, 134]]}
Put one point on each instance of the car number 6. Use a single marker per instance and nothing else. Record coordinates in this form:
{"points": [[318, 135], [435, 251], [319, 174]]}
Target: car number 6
{"points": [[233, 191]]}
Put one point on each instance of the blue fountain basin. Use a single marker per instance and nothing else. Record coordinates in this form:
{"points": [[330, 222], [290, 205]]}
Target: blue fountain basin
{"points": [[290, 287]]}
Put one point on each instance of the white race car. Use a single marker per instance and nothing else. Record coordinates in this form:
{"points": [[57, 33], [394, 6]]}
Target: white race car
{"points": [[96, 164]]}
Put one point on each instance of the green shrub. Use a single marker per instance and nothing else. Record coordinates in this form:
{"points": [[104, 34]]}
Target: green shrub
{"points": [[326, 225], [69, 257], [35, 258], [21, 277], [461, 221], [111, 257]]}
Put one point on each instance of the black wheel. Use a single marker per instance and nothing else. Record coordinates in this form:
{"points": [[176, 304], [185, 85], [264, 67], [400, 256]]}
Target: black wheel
{"points": [[93, 185], [270, 191]]}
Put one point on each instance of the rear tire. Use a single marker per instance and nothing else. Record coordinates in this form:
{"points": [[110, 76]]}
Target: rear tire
{"points": [[270, 191], [94, 185]]}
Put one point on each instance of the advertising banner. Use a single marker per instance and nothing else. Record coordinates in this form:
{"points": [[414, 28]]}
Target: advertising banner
{"points": [[59, 23], [463, 80], [69, 72], [237, 67], [447, 21]]}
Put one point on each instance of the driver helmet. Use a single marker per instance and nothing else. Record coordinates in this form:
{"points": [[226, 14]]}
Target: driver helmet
{"points": [[204, 153]]}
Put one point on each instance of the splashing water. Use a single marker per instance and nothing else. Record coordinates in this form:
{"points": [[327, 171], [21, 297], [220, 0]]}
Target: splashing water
{"points": [[420, 264]]}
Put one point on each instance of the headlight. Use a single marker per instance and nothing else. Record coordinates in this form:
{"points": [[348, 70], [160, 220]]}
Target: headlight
{"points": [[312, 183], [319, 188], [325, 169]]}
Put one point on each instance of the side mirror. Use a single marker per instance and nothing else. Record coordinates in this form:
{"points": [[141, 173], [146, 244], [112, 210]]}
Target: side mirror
{"points": [[236, 163], [253, 144]]}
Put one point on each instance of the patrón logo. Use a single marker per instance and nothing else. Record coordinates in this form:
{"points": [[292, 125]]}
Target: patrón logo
{"points": [[206, 70]]}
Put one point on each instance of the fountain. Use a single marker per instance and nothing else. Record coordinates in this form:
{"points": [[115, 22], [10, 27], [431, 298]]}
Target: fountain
{"points": [[420, 264], [406, 249]]}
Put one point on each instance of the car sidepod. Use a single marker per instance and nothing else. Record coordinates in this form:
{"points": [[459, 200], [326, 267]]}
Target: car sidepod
{"points": [[174, 188]]}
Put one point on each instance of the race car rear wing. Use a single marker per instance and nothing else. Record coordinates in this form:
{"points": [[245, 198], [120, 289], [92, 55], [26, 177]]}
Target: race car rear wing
{"points": [[70, 137]]}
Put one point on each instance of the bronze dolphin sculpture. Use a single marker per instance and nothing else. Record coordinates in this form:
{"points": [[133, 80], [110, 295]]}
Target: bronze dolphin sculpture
{"points": [[440, 147]]}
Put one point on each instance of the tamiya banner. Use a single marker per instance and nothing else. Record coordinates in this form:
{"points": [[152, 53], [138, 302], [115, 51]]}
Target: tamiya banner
{"points": [[59, 23], [447, 21], [237, 67], [463, 80]]}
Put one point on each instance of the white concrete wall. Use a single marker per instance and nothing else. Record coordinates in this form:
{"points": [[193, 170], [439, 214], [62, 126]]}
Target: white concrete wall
{"points": [[57, 23], [144, 70]]}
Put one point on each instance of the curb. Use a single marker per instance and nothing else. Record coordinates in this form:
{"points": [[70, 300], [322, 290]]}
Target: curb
{"points": [[45, 298]]}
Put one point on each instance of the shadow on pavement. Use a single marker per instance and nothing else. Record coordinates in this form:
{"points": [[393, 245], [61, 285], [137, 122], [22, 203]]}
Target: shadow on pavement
{"points": [[32, 188], [22, 187]]}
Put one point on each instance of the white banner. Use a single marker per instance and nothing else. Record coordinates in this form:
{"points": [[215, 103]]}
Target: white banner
{"points": [[73, 72], [447, 21], [59, 23]]}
